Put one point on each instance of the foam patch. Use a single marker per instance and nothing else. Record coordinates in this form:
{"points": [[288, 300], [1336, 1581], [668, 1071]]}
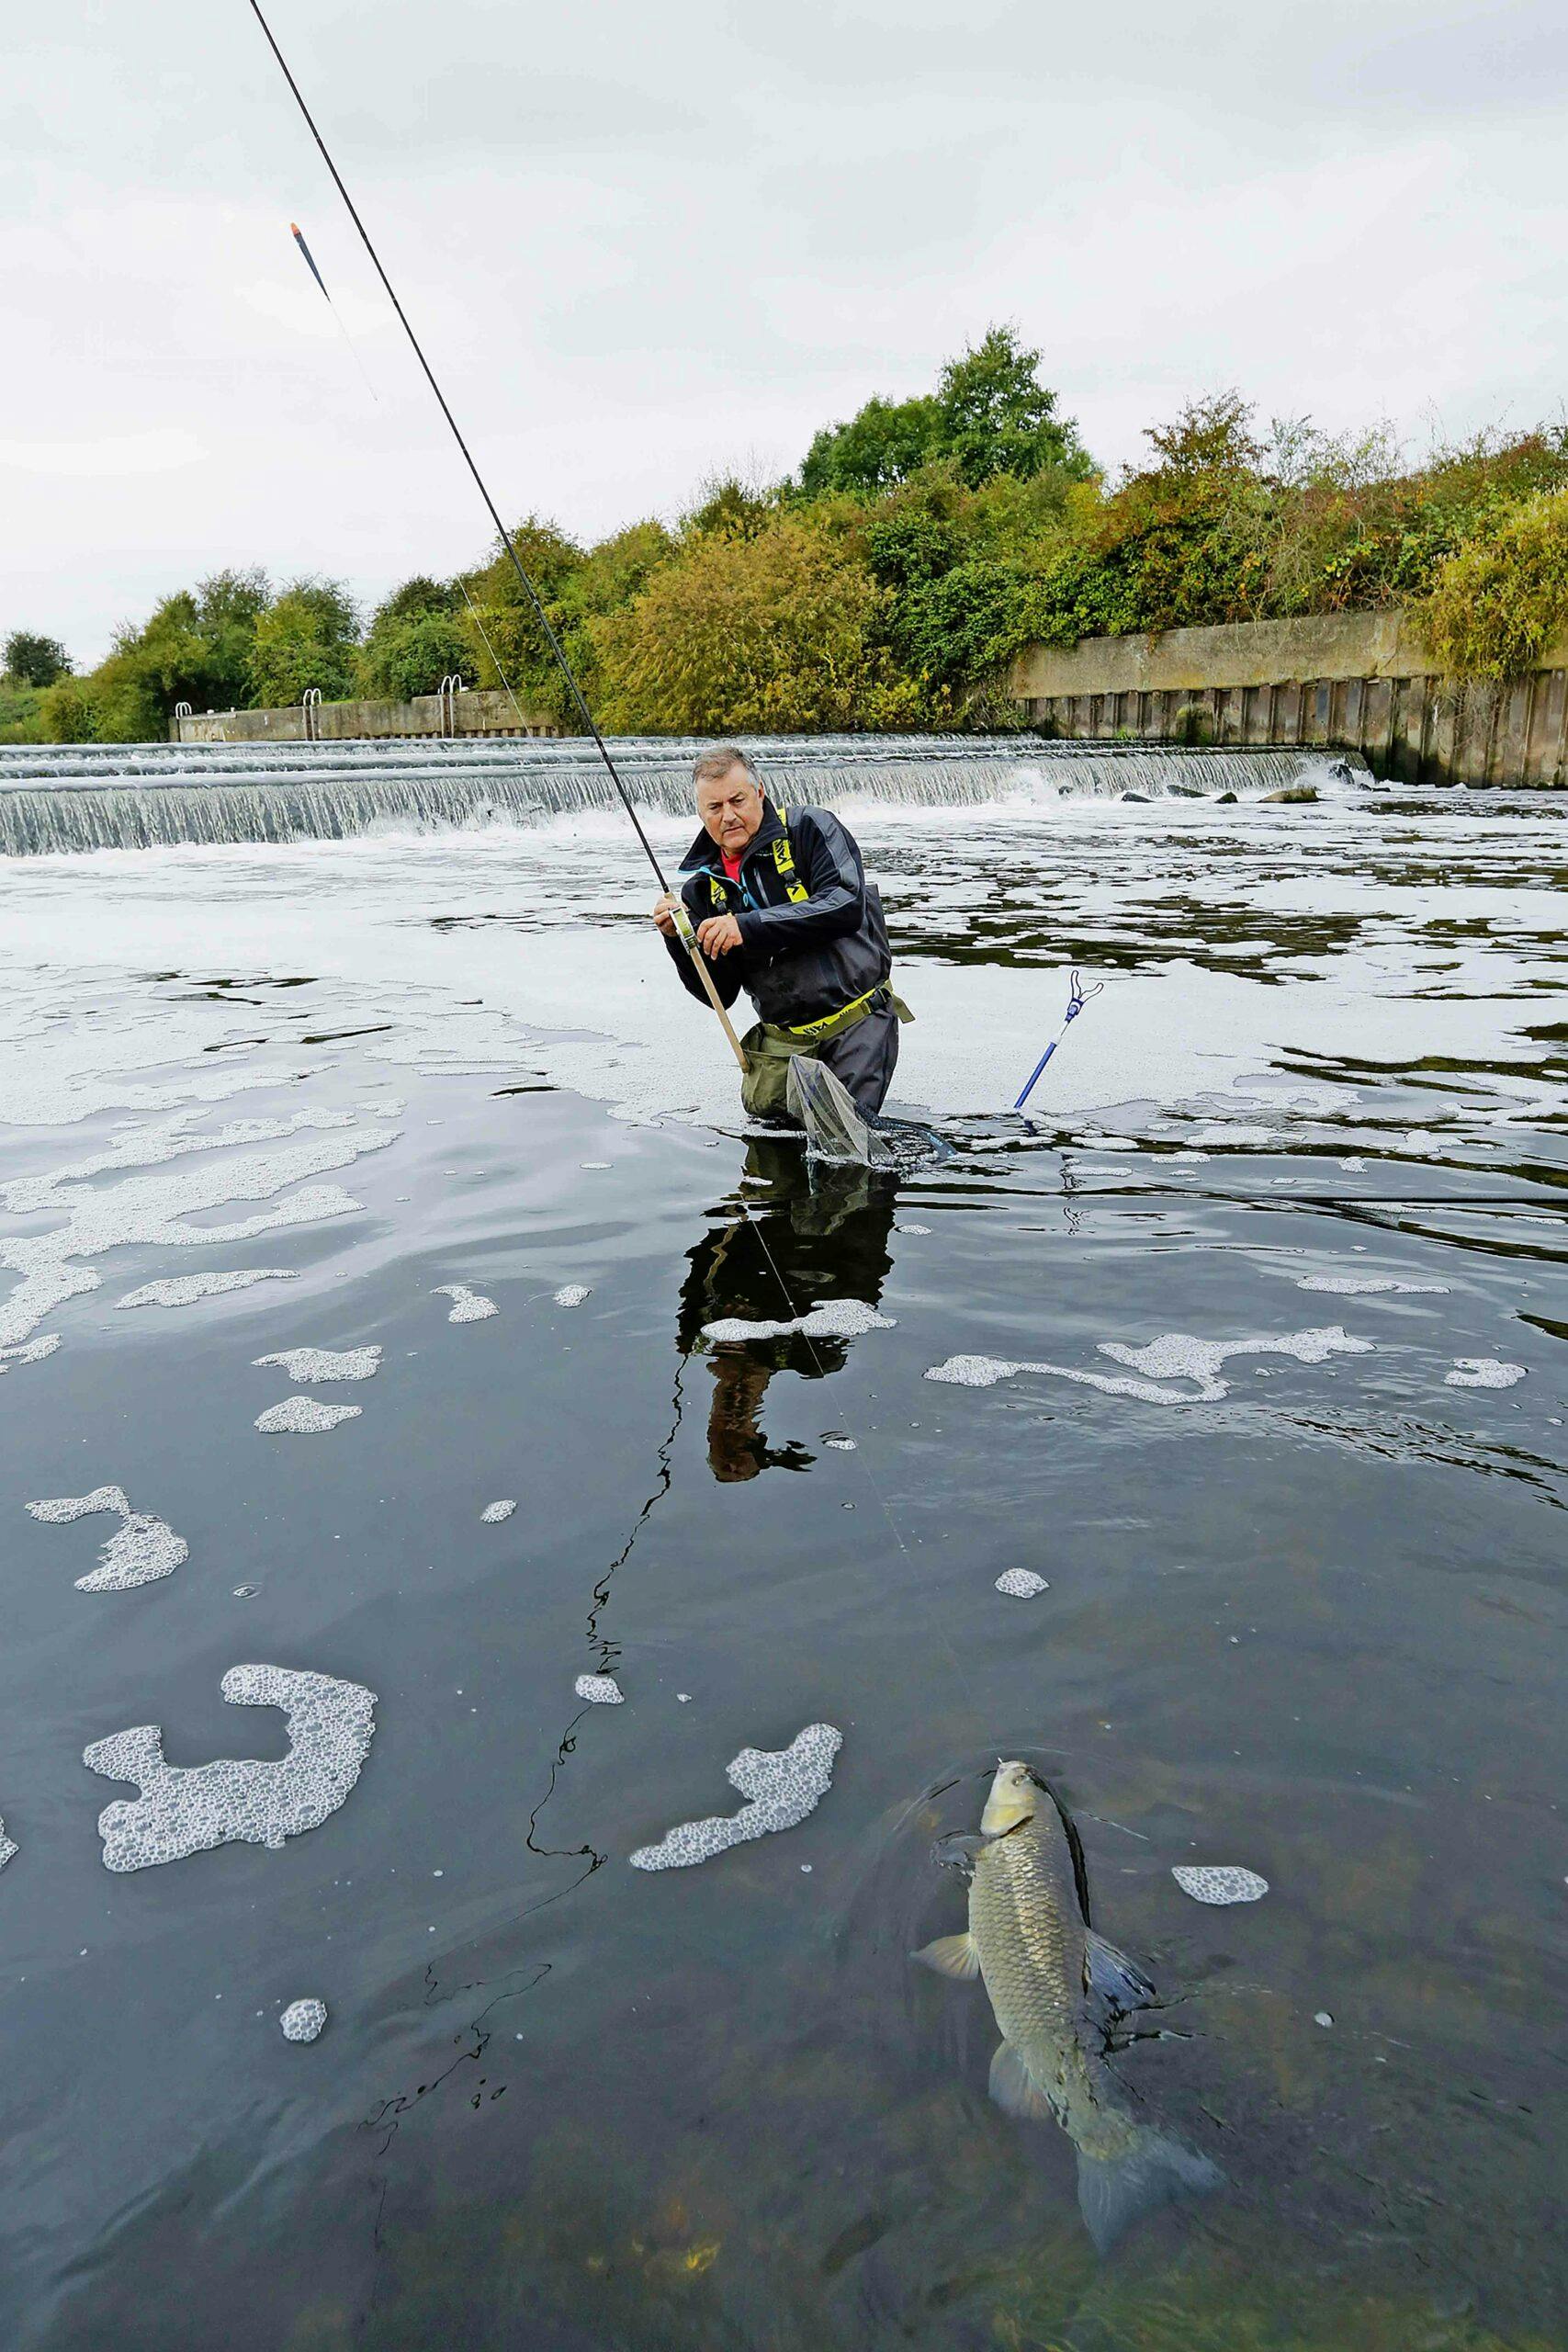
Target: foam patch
{"points": [[780, 1788], [184, 1290], [1367, 1285], [1219, 1883], [572, 1294], [326, 1364], [1482, 1372], [183, 1810], [468, 1307], [1176, 1355], [304, 1417], [600, 1690], [141, 1550], [303, 2020], [30, 1351], [154, 1209], [8, 1847], [1021, 1583], [836, 1318], [493, 1514]]}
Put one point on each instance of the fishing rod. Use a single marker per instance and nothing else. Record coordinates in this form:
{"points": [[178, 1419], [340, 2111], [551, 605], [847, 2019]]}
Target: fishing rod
{"points": [[557, 651]]}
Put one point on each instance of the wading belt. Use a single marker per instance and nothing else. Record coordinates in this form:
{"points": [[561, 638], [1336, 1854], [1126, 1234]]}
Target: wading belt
{"points": [[831, 1023]]}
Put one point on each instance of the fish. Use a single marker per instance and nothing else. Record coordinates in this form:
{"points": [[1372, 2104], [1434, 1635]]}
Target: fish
{"points": [[1056, 1988]]}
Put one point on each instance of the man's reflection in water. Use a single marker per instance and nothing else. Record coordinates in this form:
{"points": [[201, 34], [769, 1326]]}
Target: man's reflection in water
{"points": [[828, 1235]]}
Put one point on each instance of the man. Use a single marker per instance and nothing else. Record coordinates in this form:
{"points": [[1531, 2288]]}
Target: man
{"points": [[782, 910]]}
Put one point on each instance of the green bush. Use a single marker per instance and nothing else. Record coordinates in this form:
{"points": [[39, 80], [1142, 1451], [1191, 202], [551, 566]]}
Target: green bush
{"points": [[1501, 598], [70, 712], [780, 631], [305, 638], [415, 640], [21, 713]]}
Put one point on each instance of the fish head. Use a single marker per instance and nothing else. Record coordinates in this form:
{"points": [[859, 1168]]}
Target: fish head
{"points": [[1014, 1795]]}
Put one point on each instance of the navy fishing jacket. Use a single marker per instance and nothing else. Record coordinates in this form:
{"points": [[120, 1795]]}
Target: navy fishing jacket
{"points": [[797, 960]]}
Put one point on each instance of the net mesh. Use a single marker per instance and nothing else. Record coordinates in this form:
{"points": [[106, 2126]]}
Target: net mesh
{"points": [[825, 1108]]}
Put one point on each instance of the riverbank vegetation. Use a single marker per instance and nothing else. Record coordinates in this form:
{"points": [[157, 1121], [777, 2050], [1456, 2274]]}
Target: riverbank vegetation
{"points": [[889, 581]]}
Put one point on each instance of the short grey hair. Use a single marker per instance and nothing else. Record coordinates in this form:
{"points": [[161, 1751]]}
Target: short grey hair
{"points": [[709, 767]]}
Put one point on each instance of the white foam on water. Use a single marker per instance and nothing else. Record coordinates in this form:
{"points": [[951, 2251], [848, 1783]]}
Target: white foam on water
{"points": [[8, 1847], [303, 2020], [595, 1163], [468, 1307], [1353, 1167], [984, 1372], [141, 1550], [30, 1351], [1482, 1372], [1178, 1355], [1175, 1355], [493, 1514], [151, 1147], [1367, 1285], [839, 1445], [1219, 1883], [304, 1417], [909, 1228], [154, 1209], [326, 1364], [836, 1318], [184, 1290], [780, 1788], [572, 1294], [1021, 1583], [599, 1690], [187, 1810]]}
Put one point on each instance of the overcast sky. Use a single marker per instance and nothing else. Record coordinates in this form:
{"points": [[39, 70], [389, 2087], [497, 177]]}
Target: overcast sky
{"points": [[644, 242]]}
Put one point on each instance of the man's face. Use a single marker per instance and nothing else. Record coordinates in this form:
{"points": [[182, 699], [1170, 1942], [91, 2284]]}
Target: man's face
{"points": [[730, 806]]}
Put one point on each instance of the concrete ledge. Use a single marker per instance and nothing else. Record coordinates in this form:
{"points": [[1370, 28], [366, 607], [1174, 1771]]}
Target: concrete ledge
{"points": [[476, 711], [1348, 681]]}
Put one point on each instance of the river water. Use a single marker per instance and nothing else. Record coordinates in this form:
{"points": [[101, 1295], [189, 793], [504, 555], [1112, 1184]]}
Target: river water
{"points": [[1261, 1320]]}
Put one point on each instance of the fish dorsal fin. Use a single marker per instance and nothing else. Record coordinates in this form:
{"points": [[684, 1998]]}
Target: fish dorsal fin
{"points": [[1111, 1980], [956, 1956], [1014, 2089]]}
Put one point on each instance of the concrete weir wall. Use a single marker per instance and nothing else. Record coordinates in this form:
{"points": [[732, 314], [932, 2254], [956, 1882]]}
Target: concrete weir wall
{"points": [[474, 711], [1357, 681]]}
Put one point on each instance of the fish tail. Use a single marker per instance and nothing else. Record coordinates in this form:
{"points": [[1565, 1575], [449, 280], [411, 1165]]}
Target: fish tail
{"points": [[1151, 2171]]}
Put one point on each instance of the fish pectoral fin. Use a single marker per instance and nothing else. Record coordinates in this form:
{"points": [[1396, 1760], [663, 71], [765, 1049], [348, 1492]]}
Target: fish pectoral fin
{"points": [[951, 1956], [1113, 1980], [958, 1851], [1014, 2089]]}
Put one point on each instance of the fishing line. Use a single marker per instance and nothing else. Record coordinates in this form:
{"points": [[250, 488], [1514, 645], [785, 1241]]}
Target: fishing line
{"points": [[557, 652], [831, 1379], [490, 650]]}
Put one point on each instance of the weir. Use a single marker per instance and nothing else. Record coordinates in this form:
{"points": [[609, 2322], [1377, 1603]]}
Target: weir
{"points": [[58, 799]]}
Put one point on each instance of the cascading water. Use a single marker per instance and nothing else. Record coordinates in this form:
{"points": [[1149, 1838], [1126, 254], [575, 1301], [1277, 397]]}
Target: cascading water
{"points": [[65, 797]]}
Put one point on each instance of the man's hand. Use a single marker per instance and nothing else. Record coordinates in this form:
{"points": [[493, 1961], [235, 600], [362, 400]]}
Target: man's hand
{"points": [[718, 936], [664, 914]]}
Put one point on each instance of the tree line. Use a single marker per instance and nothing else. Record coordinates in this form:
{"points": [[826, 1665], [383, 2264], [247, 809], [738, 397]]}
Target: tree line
{"points": [[889, 581]]}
